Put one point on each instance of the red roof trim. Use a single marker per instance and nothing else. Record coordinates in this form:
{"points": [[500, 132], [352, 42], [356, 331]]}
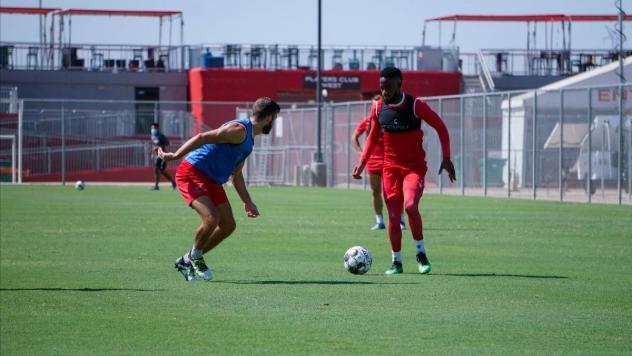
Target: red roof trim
{"points": [[119, 12], [27, 10], [524, 18]]}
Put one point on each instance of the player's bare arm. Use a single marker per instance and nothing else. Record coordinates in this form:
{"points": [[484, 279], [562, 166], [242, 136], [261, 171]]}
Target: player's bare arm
{"points": [[371, 142], [232, 133], [240, 186], [355, 142]]}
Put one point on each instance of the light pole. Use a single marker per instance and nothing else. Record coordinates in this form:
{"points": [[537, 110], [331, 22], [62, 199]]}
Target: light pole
{"points": [[318, 167], [319, 95]]}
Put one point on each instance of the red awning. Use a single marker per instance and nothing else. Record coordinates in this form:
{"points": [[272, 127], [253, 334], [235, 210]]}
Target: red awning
{"points": [[526, 18], [27, 10], [119, 12]]}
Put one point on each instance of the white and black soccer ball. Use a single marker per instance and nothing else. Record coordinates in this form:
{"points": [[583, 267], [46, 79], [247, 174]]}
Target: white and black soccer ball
{"points": [[357, 260], [80, 185]]}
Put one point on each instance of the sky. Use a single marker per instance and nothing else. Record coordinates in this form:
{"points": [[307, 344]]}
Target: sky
{"points": [[345, 22]]}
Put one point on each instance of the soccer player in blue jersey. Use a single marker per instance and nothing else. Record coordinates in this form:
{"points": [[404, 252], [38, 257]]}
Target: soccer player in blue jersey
{"points": [[211, 159]]}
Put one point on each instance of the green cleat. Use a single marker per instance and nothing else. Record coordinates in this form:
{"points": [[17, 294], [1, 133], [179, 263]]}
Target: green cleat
{"points": [[424, 265], [200, 269], [396, 268]]}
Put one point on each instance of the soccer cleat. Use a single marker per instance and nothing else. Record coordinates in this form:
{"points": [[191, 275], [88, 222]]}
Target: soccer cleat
{"points": [[200, 269], [396, 268], [154, 188], [424, 265], [378, 226], [185, 268], [402, 225]]}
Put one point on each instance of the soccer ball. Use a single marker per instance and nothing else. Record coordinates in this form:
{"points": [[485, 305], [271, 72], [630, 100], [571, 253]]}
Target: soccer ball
{"points": [[79, 185], [357, 260]]}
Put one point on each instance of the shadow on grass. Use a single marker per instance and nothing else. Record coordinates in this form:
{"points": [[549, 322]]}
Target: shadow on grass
{"points": [[497, 275], [80, 289], [307, 282]]}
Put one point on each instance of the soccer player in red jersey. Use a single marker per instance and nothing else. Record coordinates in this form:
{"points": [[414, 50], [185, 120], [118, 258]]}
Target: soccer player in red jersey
{"points": [[397, 118], [374, 169]]}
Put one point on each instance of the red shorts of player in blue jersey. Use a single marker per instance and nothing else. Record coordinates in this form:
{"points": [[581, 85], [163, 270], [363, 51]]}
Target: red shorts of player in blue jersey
{"points": [[193, 184]]}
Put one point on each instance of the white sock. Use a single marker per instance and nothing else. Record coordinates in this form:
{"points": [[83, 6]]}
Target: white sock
{"points": [[419, 246], [397, 256], [195, 253], [379, 218]]}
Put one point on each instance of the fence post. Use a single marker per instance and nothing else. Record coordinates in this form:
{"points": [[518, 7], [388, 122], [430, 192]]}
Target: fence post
{"points": [[562, 176], [156, 113], [63, 144], [589, 176], [621, 138], [332, 130], [348, 149], [509, 173], [533, 143], [20, 138], [485, 145], [97, 160], [440, 152], [462, 124]]}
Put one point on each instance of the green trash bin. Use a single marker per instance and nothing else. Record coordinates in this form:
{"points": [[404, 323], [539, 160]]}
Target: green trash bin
{"points": [[5, 171], [494, 171]]}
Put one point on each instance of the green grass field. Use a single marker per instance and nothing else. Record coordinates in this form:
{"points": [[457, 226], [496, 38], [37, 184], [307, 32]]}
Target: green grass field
{"points": [[91, 272]]}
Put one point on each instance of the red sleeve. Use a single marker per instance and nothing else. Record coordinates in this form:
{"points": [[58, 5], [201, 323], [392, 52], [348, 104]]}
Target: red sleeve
{"points": [[425, 113], [374, 134], [363, 126]]}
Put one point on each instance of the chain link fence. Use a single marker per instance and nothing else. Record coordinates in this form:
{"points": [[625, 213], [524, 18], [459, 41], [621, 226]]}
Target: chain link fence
{"points": [[564, 144]]}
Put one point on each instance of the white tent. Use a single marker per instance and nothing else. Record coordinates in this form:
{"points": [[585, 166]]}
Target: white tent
{"points": [[548, 105]]}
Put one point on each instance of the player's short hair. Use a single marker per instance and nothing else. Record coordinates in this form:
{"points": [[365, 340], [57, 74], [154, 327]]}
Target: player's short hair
{"points": [[391, 72], [155, 124], [264, 107]]}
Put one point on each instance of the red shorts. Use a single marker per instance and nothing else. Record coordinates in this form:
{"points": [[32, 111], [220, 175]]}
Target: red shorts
{"points": [[374, 165], [192, 184], [397, 182]]}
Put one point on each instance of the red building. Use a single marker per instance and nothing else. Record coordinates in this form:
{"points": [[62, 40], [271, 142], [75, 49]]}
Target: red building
{"points": [[222, 84]]}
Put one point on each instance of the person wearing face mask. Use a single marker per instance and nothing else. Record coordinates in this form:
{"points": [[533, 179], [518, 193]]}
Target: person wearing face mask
{"points": [[210, 159], [160, 167]]}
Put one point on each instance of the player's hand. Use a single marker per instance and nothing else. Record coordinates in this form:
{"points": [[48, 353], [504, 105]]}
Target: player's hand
{"points": [[166, 156], [251, 210], [357, 171], [449, 167]]}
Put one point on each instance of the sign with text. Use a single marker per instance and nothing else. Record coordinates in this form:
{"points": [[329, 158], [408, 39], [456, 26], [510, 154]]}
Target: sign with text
{"points": [[332, 81]]}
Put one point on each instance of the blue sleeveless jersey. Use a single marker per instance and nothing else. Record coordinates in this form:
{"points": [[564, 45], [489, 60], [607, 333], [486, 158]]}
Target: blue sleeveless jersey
{"points": [[219, 160]]}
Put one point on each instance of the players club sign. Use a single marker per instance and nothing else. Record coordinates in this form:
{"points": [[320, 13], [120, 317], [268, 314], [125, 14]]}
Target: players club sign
{"points": [[346, 82]]}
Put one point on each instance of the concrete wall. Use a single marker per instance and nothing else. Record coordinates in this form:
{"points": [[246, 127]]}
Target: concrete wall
{"points": [[33, 84]]}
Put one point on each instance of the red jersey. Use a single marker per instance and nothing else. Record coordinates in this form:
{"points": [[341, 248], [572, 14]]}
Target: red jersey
{"points": [[365, 126], [400, 127]]}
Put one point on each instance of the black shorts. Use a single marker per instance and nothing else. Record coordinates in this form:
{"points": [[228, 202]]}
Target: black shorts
{"points": [[160, 164]]}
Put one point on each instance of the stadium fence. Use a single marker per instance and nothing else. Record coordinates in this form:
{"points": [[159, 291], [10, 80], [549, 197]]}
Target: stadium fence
{"points": [[571, 144]]}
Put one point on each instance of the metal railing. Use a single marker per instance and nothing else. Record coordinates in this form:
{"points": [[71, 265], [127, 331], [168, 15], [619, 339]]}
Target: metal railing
{"points": [[546, 62], [571, 144], [92, 57], [149, 58], [536, 145]]}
